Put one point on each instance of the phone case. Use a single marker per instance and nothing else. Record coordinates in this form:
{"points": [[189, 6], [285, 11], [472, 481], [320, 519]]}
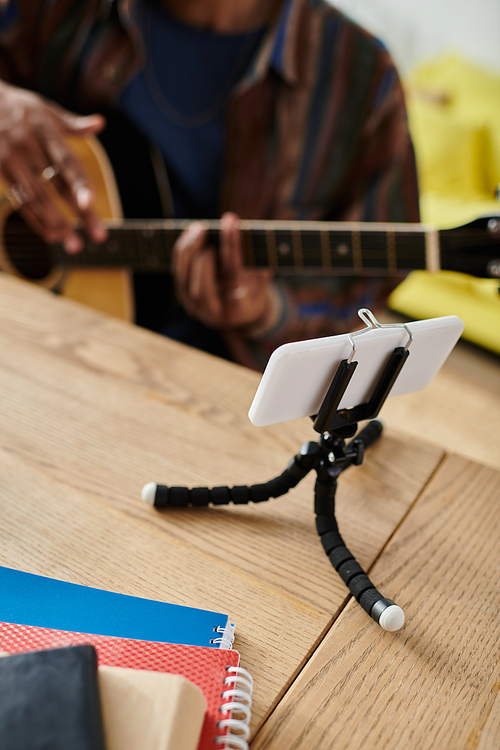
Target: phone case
{"points": [[299, 374]]}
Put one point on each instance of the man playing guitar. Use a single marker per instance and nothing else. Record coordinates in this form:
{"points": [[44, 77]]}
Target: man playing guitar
{"points": [[259, 109]]}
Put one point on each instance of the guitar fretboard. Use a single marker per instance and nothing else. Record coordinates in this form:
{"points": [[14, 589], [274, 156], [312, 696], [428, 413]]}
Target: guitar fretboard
{"points": [[342, 248]]}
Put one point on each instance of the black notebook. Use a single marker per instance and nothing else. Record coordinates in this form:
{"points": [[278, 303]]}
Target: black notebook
{"points": [[50, 699]]}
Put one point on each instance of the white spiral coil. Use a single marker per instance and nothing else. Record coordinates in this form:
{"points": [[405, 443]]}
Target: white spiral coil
{"points": [[236, 710], [226, 638]]}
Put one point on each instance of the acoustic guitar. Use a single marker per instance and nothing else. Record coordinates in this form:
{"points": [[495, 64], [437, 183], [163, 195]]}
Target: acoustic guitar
{"points": [[100, 275]]}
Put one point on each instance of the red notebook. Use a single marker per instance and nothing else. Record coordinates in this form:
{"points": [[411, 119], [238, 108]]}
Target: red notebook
{"points": [[215, 671]]}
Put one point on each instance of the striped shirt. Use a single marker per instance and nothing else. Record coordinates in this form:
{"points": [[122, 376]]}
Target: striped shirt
{"points": [[316, 130]]}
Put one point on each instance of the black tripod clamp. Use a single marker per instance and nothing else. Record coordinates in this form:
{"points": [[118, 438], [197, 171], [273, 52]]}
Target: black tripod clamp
{"points": [[329, 457]]}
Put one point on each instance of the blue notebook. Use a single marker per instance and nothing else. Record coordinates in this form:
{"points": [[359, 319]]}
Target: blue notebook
{"points": [[28, 599]]}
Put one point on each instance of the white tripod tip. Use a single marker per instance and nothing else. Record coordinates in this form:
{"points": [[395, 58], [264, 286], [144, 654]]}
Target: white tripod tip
{"points": [[392, 618], [148, 493]]}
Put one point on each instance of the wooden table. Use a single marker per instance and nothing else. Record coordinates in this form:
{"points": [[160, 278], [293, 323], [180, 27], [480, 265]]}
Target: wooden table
{"points": [[92, 408]]}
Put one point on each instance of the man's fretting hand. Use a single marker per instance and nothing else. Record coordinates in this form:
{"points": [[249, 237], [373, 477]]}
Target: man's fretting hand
{"points": [[33, 154], [221, 293]]}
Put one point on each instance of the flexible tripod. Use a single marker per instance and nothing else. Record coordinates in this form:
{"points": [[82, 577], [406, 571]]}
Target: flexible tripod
{"points": [[329, 457]]}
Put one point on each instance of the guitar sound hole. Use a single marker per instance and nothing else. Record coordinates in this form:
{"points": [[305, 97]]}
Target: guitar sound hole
{"points": [[27, 252]]}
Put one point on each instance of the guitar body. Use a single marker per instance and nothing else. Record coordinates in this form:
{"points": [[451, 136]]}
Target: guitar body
{"points": [[106, 289]]}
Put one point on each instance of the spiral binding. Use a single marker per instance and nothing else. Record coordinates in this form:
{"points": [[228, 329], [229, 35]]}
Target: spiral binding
{"points": [[236, 710], [227, 636]]}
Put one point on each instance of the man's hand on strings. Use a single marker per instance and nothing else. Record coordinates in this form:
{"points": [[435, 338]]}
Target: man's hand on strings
{"points": [[33, 154], [219, 290]]}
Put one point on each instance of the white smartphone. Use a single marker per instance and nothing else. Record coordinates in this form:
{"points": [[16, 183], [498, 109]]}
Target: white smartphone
{"points": [[299, 374]]}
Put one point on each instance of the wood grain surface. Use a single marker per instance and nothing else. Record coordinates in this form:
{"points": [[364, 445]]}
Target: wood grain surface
{"points": [[434, 684], [93, 407]]}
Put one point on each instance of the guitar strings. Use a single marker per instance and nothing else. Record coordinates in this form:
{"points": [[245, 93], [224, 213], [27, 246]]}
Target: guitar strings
{"points": [[408, 245]]}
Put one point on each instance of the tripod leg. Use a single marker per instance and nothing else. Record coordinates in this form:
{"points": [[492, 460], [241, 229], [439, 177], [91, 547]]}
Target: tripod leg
{"points": [[384, 611], [161, 496], [370, 433]]}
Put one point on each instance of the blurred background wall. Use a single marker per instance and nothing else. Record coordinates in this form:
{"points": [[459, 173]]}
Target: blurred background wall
{"points": [[415, 30]]}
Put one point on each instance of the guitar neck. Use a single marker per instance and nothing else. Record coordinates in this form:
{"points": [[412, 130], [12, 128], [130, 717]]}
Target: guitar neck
{"points": [[356, 248]]}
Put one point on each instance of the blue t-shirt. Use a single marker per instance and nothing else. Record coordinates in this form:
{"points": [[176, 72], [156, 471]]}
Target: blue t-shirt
{"points": [[178, 101]]}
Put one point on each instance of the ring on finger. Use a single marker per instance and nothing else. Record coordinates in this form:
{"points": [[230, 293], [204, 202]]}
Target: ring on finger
{"points": [[49, 173], [238, 292], [17, 195]]}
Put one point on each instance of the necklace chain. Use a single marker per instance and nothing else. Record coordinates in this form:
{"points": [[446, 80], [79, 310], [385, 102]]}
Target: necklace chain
{"points": [[157, 94]]}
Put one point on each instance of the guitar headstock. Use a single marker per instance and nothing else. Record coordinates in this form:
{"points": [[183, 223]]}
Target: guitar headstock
{"points": [[473, 248]]}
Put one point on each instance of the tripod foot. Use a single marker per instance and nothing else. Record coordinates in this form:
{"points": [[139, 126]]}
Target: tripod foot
{"points": [[148, 493], [388, 615]]}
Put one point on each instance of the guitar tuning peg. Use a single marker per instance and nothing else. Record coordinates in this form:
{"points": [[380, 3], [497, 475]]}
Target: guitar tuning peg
{"points": [[494, 224]]}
